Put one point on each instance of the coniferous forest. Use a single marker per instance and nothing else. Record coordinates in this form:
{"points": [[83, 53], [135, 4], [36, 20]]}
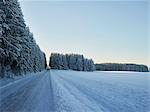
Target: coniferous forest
{"points": [[19, 53], [71, 61], [121, 67]]}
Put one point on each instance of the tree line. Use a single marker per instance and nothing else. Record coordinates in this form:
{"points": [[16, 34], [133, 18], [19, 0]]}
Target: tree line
{"points": [[121, 67], [71, 61], [19, 53]]}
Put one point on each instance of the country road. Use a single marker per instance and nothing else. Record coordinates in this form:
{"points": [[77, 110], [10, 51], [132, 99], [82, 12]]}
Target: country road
{"points": [[72, 91], [33, 94]]}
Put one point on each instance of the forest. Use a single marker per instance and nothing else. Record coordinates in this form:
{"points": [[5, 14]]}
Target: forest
{"points": [[121, 67], [19, 53], [71, 61]]}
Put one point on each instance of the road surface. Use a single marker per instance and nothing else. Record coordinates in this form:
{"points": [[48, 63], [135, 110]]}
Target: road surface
{"points": [[32, 94]]}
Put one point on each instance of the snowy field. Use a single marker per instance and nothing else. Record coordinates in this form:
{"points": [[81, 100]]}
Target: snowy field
{"points": [[101, 91], [73, 91]]}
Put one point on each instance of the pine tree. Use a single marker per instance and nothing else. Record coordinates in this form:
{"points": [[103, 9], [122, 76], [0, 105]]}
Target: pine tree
{"points": [[121, 67], [71, 61], [79, 62], [64, 62], [19, 52]]}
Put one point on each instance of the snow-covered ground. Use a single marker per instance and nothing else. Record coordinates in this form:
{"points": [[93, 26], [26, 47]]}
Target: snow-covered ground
{"points": [[101, 91], [73, 91], [32, 93]]}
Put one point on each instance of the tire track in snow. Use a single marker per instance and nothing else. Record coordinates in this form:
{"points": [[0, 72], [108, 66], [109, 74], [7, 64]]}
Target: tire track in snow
{"points": [[111, 96], [84, 103], [88, 94], [11, 96], [64, 101], [52, 91], [33, 94]]}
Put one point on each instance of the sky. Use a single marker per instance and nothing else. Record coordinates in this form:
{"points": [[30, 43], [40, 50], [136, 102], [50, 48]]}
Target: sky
{"points": [[106, 31]]}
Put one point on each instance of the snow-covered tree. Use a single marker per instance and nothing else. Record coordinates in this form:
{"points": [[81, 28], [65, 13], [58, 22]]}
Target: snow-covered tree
{"points": [[55, 61], [121, 67], [71, 61], [58, 61], [19, 53], [64, 63], [91, 66], [79, 62]]}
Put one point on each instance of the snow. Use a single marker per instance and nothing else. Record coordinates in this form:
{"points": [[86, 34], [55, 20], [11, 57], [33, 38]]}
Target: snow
{"points": [[19, 53], [76, 91], [4, 82], [71, 61], [66, 99], [102, 91], [29, 94]]}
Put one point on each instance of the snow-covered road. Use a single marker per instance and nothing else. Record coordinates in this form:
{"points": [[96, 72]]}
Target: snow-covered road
{"points": [[72, 91], [31, 94]]}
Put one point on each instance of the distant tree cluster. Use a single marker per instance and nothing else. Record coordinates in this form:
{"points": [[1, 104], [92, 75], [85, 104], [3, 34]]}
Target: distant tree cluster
{"points": [[19, 53], [71, 61], [121, 67]]}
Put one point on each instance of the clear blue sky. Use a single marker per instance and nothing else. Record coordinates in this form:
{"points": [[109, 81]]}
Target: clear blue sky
{"points": [[105, 31]]}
